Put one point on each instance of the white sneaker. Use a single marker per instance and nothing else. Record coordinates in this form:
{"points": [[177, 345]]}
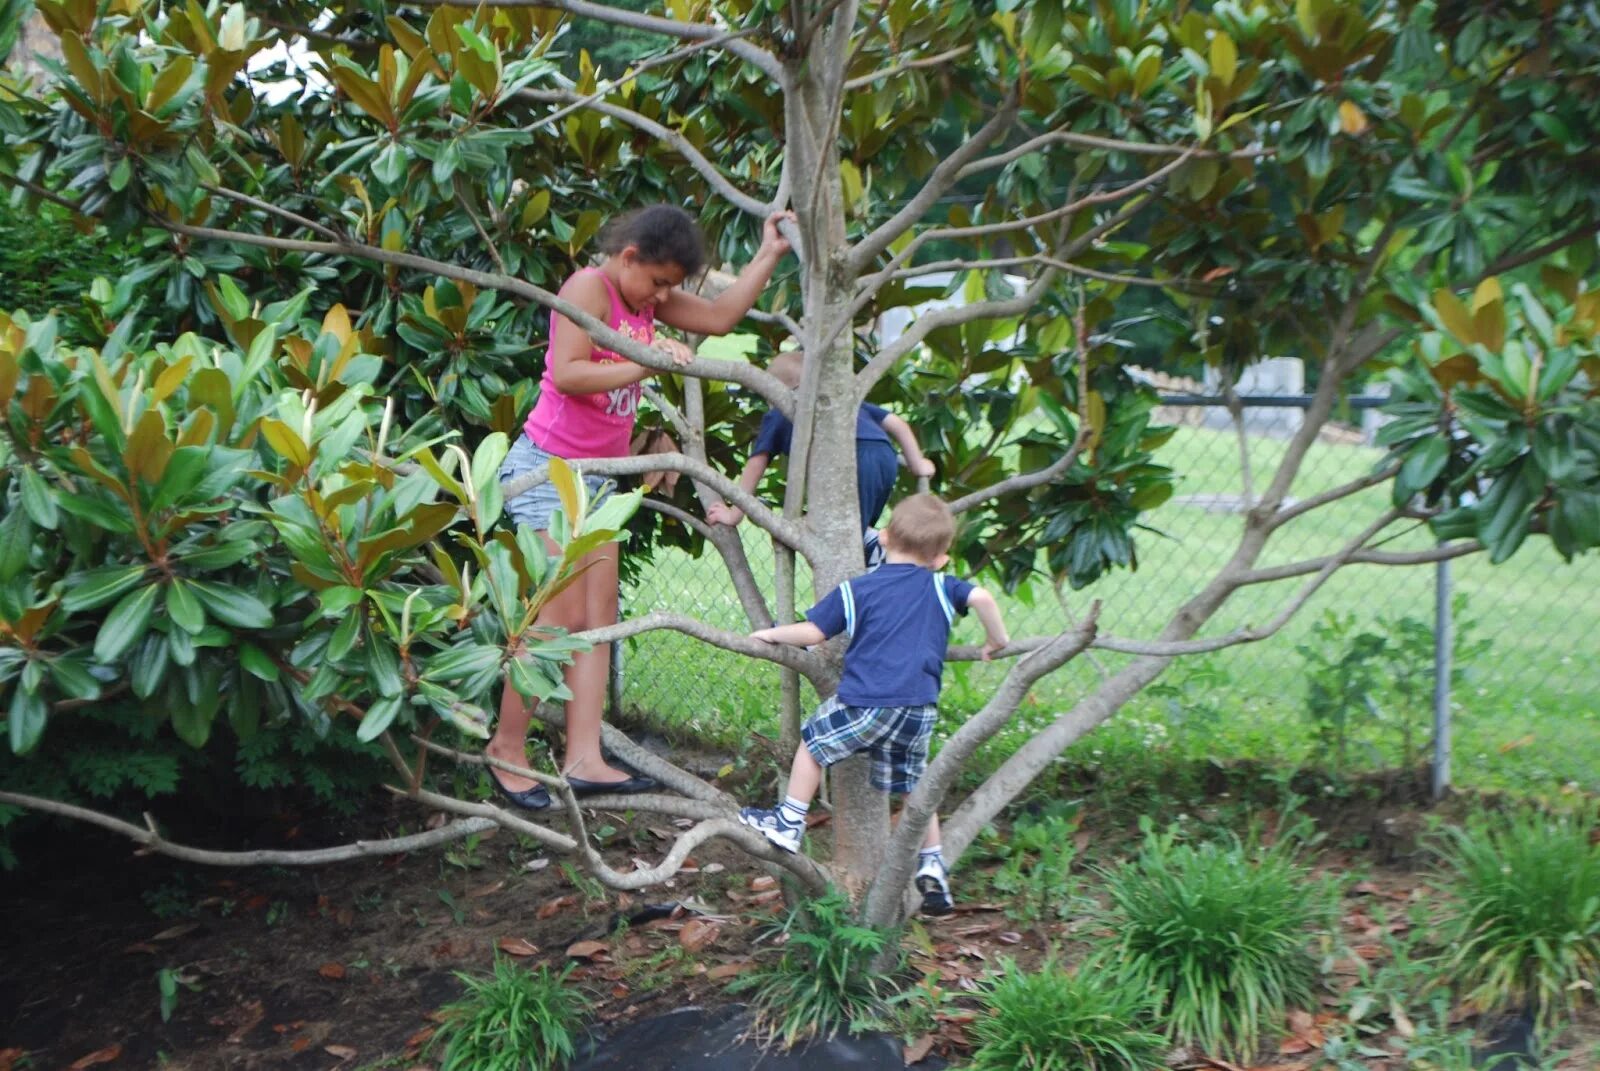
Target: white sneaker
{"points": [[933, 882], [872, 549], [769, 822]]}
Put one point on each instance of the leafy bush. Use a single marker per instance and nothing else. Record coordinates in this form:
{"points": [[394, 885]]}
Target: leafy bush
{"points": [[1036, 876], [514, 1020], [825, 981], [1522, 925], [1051, 1020], [1217, 934]]}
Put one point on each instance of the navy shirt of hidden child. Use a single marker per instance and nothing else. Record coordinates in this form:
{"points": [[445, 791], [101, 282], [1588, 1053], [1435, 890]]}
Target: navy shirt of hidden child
{"points": [[899, 623]]}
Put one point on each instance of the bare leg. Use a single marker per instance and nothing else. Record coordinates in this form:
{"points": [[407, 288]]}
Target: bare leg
{"points": [[590, 602], [804, 775], [931, 839]]}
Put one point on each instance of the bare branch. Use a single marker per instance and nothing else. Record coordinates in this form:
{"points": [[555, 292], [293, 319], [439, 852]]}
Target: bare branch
{"points": [[477, 225], [909, 65], [945, 175], [1091, 141], [756, 510], [680, 144], [1444, 552], [275, 210], [797, 658], [1334, 494], [154, 842], [759, 381], [686, 31]]}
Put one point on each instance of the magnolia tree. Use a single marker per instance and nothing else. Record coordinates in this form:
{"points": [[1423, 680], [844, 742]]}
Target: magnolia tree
{"points": [[244, 500]]}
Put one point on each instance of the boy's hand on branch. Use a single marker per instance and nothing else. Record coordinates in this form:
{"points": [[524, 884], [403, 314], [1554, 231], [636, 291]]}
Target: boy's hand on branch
{"points": [[722, 513], [920, 467], [992, 646]]}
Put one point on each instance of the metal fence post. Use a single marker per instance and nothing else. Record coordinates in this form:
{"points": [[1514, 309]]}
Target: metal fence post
{"points": [[1443, 650]]}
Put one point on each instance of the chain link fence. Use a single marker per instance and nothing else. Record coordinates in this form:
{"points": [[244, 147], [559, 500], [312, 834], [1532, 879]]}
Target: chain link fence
{"points": [[1526, 630]]}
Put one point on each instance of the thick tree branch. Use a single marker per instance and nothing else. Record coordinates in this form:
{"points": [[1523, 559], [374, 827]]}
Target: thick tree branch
{"points": [[275, 210], [767, 386], [1372, 479], [153, 841], [887, 896], [1091, 141]]}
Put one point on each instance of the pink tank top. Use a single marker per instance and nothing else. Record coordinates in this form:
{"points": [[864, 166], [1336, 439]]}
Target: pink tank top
{"points": [[592, 425]]}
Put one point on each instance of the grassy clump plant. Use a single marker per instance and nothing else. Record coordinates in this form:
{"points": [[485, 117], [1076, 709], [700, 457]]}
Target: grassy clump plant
{"points": [[1217, 934], [1052, 1020], [513, 1020], [1522, 923], [825, 980]]}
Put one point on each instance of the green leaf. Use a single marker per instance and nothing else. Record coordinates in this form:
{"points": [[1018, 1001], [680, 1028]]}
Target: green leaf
{"points": [[37, 499], [26, 720], [1421, 467], [462, 662], [378, 718], [99, 586], [16, 540], [339, 598], [125, 624], [184, 608], [257, 662], [233, 606], [149, 665], [73, 679], [192, 722]]}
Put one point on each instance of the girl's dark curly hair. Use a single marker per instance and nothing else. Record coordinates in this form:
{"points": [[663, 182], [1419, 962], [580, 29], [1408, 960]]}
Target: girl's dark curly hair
{"points": [[663, 234]]}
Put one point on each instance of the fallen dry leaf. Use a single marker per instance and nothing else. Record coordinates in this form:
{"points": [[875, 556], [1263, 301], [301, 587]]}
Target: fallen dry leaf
{"points": [[517, 946], [728, 970], [98, 1056], [172, 933], [533, 866], [551, 908], [590, 950], [141, 946], [763, 881], [1010, 937], [486, 890], [698, 934], [9, 1058], [918, 1050], [420, 1038], [288, 1028], [251, 1015], [1215, 1061], [343, 1052], [300, 1044], [331, 971]]}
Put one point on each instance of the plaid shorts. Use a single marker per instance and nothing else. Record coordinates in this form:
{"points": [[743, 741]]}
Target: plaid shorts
{"points": [[895, 737]]}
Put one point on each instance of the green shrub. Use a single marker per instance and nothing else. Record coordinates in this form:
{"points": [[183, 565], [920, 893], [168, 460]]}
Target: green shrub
{"points": [[515, 1020], [1216, 933], [1522, 925], [1051, 1020], [825, 980]]}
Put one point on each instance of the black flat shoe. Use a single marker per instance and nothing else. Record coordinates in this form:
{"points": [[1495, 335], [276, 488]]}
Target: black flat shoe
{"points": [[629, 787], [536, 798]]}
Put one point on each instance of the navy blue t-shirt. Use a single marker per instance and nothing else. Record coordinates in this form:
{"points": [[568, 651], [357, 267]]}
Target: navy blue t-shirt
{"points": [[898, 618], [773, 437]]}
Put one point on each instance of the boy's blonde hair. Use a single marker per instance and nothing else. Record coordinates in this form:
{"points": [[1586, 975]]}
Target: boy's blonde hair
{"points": [[922, 527], [787, 367]]}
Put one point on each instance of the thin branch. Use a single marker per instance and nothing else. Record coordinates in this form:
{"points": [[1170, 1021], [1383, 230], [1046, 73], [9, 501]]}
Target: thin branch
{"points": [[1324, 568], [944, 176], [153, 841], [756, 510], [1334, 494], [1444, 552], [1091, 141], [909, 65], [1516, 260], [477, 225], [687, 31], [275, 210], [783, 654], [680, 144]]}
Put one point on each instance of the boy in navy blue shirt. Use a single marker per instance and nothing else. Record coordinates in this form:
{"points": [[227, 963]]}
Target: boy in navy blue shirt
{"points": [[898, 619], [877, 433]]}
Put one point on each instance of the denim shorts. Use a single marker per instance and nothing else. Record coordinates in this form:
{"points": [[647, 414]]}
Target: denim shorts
{"points": [[895, 737], [535, 507]]}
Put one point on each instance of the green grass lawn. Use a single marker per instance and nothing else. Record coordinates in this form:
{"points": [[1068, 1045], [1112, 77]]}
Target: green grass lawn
{"points": [[1527, 714]]}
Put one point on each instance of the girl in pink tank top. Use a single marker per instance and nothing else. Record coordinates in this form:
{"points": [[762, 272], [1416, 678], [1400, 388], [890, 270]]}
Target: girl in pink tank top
{"points": [[587, 401]]}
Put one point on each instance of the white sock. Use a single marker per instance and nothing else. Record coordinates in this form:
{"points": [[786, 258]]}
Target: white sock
{"points": [[929, 855], [794, 811]]}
